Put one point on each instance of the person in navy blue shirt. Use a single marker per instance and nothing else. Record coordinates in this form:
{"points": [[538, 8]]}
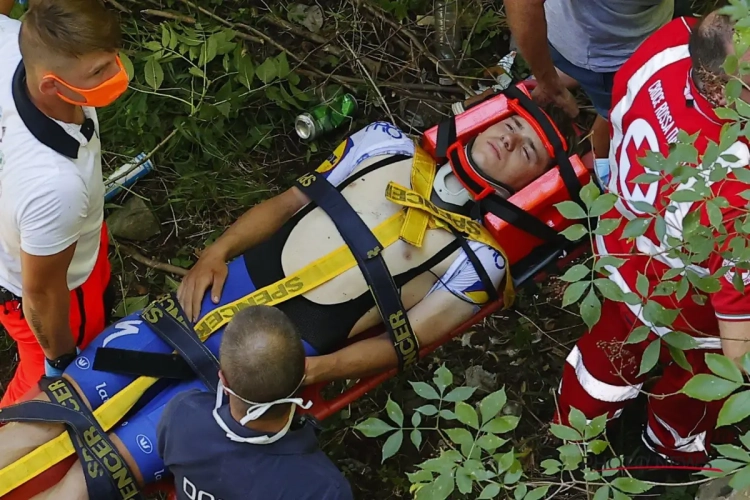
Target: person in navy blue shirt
{"points": [[253, 447]]}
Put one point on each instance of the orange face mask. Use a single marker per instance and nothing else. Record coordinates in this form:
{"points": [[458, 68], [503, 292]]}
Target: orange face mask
{"points": [[102, 95]]}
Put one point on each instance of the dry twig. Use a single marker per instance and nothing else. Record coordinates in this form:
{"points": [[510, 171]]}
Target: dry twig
{"points": [[154, 264]]}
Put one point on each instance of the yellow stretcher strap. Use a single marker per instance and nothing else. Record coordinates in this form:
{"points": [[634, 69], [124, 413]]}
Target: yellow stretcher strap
{"points": [[472, 229], [423, 172], [420, 215]]}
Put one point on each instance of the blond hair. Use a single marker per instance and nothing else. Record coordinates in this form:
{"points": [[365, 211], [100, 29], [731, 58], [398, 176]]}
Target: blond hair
{"points": [[53, 31]]}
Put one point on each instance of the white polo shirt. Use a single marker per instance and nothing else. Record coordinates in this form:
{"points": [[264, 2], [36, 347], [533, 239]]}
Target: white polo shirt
{"points": [[51, 186]]}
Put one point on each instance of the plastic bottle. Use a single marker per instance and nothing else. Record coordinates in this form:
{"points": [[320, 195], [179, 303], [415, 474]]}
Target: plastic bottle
{"points": [[448, 40]]}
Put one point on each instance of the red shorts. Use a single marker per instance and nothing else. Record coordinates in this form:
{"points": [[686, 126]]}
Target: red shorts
{"points": [[90, 306]]}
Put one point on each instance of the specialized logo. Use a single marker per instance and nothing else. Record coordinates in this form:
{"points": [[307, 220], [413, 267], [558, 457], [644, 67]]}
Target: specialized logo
{"points": [[83, 363], [144, 443], [386, 128], [639, 138], [194, 493], [123, 328]]}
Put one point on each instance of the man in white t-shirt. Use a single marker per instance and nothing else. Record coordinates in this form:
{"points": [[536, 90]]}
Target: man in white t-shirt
{"points": [[55, 67]]}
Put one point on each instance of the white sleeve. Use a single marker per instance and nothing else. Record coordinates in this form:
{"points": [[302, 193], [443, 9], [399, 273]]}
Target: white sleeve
{"points": [[379, 138], [50, 217], [462, 279]]}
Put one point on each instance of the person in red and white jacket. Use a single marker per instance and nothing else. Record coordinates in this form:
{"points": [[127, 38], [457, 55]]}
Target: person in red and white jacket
{"points": [[673, 81]]}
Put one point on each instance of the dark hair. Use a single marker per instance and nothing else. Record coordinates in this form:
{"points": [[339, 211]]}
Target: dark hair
{"points": [[709, 46], [55, 30], [566, 125], [262, 356]]}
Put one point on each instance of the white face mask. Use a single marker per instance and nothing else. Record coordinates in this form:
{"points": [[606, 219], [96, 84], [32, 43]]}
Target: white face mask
{"points": [[254, 412]]}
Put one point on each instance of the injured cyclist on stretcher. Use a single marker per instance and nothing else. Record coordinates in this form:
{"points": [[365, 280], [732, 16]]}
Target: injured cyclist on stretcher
{"points": [[442, 264]]}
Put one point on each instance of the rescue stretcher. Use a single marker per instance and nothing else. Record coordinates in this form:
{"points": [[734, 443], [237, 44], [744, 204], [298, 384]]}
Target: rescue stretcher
{"points": [[530, 257]]}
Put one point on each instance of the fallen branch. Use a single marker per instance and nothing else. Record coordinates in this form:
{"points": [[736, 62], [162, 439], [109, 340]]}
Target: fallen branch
{"points": [[168, 15], [415, 40], [154, 264], [426, 87], [302, 33]]}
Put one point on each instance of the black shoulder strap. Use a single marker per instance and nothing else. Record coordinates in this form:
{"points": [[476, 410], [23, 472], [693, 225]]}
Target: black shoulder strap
{"points": [[446, 135], [106, 473], [167, 319], [367, 251], [518, 217]]}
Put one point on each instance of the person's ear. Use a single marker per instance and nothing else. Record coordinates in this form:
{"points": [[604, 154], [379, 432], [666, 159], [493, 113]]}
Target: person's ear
{"points": [[48, 86], [223, 379]]}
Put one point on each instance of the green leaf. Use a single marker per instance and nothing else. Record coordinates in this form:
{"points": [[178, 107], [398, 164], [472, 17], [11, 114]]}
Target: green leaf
{"points": [[741, 479], [501, 425], [416, 437], [723, 367], [491, 405], [128, 65], [505, 460], [443, 486], [609, 289], [574, 232], [592, 475], [574, 291], [735, 409], [520, 491], [394, 412], [641, 285], [427, 410], [537, 493], [636, 227], [211, 47], [490, 442], [416, 419], [606, 226], [745, 361], [591, 309], [575, 273], [154, 74], [608, 260], [680, 340], [596, 426], [726, 114], [447, 415], [443, 378], [392, 444], [597, 446], [282, 65], [650, 357], [630, 485], [602, 205], [460, 394], [373, 427], [551, 463], [196, 71], [490, 491], [570, 210], [602, 493], [638, 335], [153, 46], [245, 71], [129, 305], [463, 481], [460, 436], [577, 420], [565, 433], [642, 206], [733, 452], [267, 71], [685, 195], [710, 388], [421, 476], [678, 355], [424, 390], [466, 414]]}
